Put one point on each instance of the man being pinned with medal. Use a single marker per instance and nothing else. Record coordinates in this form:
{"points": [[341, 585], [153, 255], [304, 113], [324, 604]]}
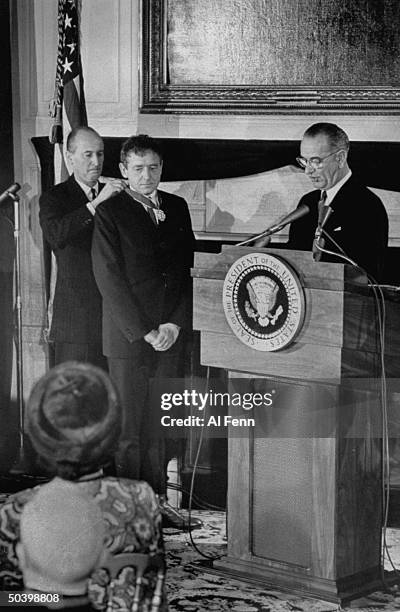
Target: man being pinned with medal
{"points": [[142, 252]]}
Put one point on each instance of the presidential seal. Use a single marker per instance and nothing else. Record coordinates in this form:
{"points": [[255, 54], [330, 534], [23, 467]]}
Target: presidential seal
{"points": [[263, 301]]}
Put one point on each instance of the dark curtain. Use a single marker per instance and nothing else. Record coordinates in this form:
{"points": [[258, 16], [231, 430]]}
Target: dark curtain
{"points": [[375, 163]]}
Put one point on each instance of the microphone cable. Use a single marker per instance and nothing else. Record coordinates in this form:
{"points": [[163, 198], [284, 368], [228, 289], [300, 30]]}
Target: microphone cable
{"points": [[192, 480], [381, 315]]}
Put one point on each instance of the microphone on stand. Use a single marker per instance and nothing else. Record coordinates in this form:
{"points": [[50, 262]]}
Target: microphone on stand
{"points": [[319, 240], [299, 212], [10, 191]]}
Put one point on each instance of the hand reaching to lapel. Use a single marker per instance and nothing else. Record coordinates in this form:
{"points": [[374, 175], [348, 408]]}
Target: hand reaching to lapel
{"points": [[112, 186]]}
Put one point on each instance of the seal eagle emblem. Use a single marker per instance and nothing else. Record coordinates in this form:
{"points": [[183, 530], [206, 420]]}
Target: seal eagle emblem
{"points": [[263, 301]]}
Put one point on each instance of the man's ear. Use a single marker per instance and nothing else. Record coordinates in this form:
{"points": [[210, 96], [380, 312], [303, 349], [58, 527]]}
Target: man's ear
{"points": [[341, 157], [20, 552], [122, 169], [68, 155]]}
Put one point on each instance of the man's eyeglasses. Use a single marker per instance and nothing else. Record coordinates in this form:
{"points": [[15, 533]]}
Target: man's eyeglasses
{"points": [[314, 162]]}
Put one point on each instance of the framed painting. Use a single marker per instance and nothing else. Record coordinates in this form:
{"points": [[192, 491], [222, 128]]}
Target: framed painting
{"points": [[270, 56]]}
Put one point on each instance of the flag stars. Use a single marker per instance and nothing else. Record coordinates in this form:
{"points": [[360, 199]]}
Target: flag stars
{"points": [[67, 66], [72, 47], [68, 21], [72, 3]]}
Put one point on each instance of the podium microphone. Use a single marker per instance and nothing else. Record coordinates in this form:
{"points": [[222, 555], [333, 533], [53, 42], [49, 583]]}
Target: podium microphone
{"points": [[299, 212], [12, 190], [319, 240]]}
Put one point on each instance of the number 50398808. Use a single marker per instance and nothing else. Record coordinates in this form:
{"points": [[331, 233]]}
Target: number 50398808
{"points": [[28, 598]]}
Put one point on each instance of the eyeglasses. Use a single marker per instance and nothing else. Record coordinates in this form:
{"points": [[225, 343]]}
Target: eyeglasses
{"points": [[314, 162]]}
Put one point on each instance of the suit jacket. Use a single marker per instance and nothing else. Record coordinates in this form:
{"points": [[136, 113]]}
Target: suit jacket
{"points": [[67, 226], [142, 269], [358, 223]]}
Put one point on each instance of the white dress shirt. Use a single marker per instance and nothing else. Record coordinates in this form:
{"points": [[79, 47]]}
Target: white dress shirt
{"points": [[332, 191]]}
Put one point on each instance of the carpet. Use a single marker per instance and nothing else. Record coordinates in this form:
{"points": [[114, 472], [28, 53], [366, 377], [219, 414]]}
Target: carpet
{"points": [[192, 587]]}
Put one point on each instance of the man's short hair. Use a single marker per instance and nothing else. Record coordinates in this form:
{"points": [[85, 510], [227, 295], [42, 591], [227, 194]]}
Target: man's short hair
{"points": [[72, 136], [337, 137], [139, 145]]}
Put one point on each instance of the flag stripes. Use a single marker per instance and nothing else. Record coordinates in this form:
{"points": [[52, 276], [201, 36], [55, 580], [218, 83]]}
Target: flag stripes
{"points": [[68, 107]]}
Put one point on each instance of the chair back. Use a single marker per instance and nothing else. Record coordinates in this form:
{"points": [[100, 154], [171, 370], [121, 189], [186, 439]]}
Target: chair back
{"points": [[138, 563]]}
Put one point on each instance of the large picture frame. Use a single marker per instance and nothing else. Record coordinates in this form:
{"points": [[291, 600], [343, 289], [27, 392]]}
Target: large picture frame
{"points": [[344, 60]]}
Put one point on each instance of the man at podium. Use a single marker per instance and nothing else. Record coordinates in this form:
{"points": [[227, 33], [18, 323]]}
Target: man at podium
{"points": [[345, 216]]}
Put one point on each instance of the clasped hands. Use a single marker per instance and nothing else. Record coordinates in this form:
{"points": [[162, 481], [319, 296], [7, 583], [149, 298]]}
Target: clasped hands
{"points": [[163, 338]]}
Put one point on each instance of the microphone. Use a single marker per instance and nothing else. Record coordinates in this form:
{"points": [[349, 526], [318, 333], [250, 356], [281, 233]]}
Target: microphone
{"points": [[12, 190], [319, 240], [299, 212], [325, 216]]}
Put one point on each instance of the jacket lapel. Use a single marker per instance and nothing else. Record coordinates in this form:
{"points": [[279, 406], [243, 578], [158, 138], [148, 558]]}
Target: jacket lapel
{"points": [[340, 205], [78, 196], [138, 209], [76, 192]]}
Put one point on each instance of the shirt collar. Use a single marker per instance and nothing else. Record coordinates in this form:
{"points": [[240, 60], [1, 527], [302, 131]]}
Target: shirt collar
{"points": [[330, 193], [152, 196], [92, 476], [87, 190]]}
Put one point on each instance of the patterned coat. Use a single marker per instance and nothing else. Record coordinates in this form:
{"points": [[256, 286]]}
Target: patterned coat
{"points": [[132, 523]]}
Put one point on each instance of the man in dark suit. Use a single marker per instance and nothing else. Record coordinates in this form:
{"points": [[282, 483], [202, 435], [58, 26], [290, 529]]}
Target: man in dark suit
{"points": [[67, 213], [352, 215], [142, 254]]}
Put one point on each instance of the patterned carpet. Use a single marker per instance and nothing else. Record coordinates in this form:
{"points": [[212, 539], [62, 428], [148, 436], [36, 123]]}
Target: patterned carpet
{"points": [[191, 587]]}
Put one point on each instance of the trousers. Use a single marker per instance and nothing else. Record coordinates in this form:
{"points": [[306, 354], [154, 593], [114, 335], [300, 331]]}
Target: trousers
{"points": [[141, 453]]}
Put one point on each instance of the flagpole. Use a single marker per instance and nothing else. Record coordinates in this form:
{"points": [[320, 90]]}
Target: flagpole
{"points": [[19, 466]]}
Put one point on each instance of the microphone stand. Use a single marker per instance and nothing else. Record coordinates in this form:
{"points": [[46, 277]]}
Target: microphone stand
{"points": [[19, 463], [267, 232]]}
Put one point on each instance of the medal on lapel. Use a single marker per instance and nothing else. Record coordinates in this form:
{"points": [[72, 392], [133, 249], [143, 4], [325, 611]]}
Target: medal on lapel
{"points": [[160, 214]]}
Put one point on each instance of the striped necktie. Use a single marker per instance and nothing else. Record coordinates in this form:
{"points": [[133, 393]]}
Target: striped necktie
{"points": [[322, 216], [151, 212]]}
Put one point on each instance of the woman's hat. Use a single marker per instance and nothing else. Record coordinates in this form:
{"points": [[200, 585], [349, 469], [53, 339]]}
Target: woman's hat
{"points": [[74, 417]]}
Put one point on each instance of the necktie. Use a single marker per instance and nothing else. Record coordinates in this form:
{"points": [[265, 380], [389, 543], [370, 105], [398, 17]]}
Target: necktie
{"points": [[318, 238], [93, 194], [151, 212]]}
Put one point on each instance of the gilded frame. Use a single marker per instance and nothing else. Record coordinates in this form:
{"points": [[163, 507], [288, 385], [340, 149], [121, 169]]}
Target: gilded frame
{"points": [[158, 96]]}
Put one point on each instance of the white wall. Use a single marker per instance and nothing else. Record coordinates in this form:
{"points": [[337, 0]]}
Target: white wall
{"points": [[110, 52]]}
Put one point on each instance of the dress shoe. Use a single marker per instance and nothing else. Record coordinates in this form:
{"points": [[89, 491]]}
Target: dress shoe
{"points": [[171, 517]]}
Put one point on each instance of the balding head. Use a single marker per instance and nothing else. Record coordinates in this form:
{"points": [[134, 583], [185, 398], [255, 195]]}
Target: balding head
{"points": [[85, 155], [76, 133], [62, 539], [336, 137]]}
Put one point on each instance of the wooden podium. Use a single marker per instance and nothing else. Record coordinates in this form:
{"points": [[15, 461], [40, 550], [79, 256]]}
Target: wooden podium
{"points": [[305, 484]]}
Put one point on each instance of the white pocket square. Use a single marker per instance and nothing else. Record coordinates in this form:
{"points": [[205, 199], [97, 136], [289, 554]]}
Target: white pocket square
{"points": [[337, 229]]}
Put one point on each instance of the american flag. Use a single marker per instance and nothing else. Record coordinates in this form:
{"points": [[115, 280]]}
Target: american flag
{"points": [[68, 106]]}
